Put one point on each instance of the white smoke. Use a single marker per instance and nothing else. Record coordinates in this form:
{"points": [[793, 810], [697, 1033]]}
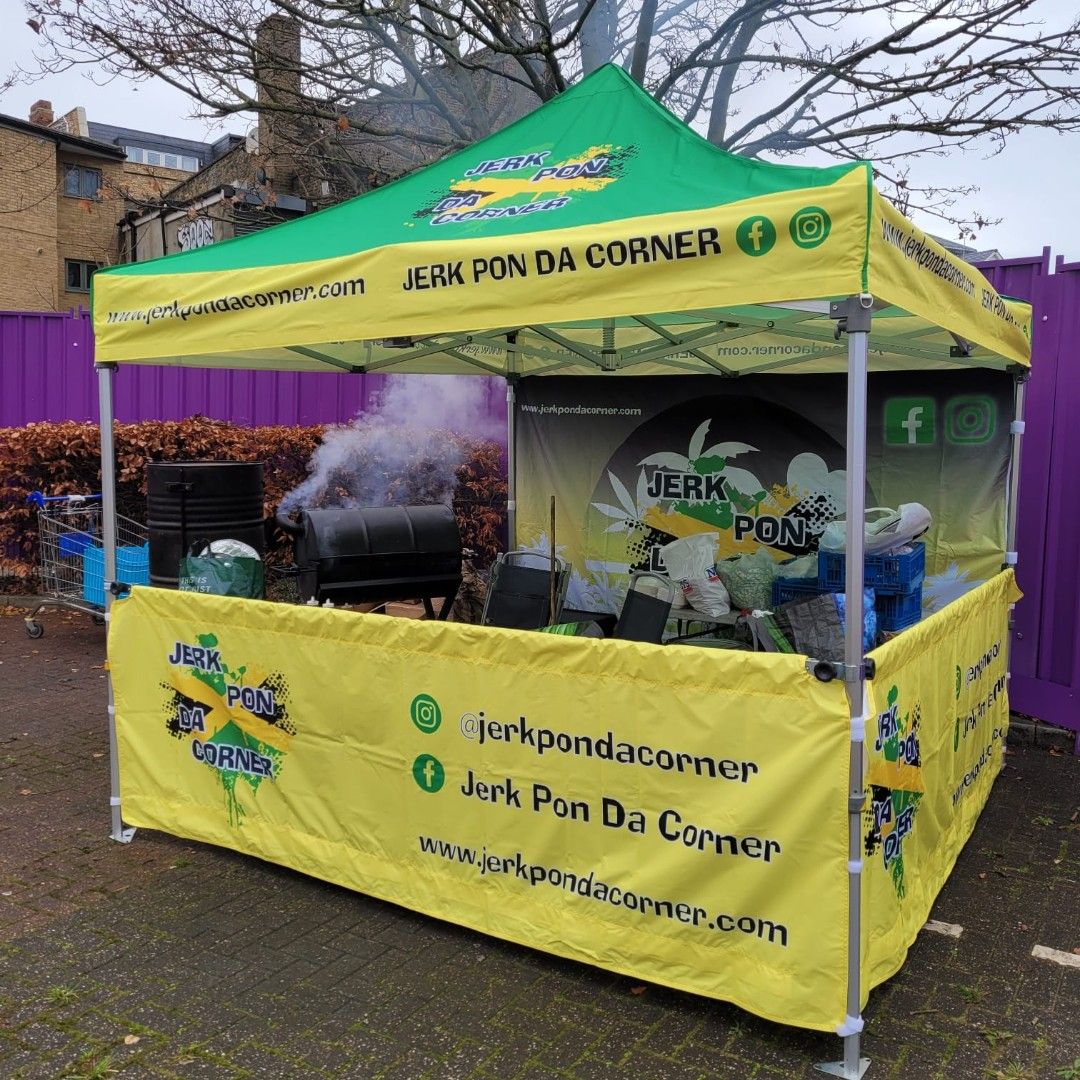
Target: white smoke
{"points": [[402, 451]]}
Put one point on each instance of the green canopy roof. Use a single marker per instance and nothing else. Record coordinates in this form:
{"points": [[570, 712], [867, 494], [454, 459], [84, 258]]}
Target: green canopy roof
{"points": [[597, 233]]}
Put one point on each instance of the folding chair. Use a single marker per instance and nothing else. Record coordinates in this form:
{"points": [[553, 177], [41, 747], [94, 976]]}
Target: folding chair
{"points": [[645, 614], [520, 595]]}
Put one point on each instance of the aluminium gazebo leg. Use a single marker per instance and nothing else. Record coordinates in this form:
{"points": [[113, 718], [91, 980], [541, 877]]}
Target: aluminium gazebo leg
{"points": [[511, 438], [854, 317], [106, 374], [1016, 431], [1012, 503]]}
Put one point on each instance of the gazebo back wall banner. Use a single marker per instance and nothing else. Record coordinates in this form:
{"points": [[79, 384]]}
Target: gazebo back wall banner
{"points": [[760, 460]]}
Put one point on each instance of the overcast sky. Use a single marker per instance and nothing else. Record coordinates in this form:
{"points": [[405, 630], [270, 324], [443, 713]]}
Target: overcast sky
{"points": [[1032, 185]]}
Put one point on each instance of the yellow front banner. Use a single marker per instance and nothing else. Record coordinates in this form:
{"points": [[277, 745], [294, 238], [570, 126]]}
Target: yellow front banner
{"points": [[674, 814], [939, 714], [675, 261]]}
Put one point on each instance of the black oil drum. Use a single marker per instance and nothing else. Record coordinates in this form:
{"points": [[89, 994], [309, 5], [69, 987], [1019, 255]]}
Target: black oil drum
{"points": [[200, 500]]}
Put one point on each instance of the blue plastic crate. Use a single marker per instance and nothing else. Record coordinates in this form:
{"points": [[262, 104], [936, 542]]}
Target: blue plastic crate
{"points": [[75, 543], [898, 611], [890, 574], [132, 567], [786, 589]]}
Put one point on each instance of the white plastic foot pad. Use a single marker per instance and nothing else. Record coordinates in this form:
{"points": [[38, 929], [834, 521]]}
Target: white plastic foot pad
{"points": [[836, 1068], [125, 837]]}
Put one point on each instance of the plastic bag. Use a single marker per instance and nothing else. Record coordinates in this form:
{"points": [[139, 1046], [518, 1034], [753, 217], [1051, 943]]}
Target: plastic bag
{"points": [[222, 575], [887, 531], [691, 562], [870, 626], [766, 633], [748, 579], [587, 628], [804, 567], [815, 627]]}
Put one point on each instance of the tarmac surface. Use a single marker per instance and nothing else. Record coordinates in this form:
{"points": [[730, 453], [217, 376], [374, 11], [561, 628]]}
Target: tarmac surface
{"points": [[166, 958]]}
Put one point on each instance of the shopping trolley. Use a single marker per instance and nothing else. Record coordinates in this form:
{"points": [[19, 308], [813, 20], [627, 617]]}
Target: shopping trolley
{"points": [[72, 557]]}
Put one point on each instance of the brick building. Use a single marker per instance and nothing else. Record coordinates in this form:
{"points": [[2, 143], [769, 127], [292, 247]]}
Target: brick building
{"points": [[254, 182], [76, 195], [65, 186], [294, 163], [55, 226]]}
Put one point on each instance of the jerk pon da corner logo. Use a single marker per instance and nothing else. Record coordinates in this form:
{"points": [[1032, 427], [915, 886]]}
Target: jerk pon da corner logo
{"points": [[525, 184], [680, 494], [235, 719], [896, 786]]}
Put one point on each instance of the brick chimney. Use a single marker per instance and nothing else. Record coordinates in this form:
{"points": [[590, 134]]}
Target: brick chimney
{"points": [[277, 78], [41, 113]]}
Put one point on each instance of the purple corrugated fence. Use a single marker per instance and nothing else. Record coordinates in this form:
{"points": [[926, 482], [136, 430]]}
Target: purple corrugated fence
{"points": [[46, 373], [1046, 640], [46, 367]]}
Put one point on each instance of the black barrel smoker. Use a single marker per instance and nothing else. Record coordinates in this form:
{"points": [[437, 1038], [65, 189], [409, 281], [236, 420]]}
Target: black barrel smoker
{"points": [[374, 555]]}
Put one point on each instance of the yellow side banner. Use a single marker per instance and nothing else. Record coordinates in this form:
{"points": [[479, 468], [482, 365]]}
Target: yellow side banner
{"points": [[674, 814], [661, 262], [913, 271], [939, 713]]}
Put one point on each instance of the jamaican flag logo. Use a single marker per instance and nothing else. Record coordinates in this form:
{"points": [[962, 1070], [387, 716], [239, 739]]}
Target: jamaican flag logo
{"points": [[896, 786], [235, 719]]}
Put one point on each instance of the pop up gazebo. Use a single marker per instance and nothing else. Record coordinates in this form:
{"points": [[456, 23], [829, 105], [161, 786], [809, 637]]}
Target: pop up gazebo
{"points": [[607, 801]]}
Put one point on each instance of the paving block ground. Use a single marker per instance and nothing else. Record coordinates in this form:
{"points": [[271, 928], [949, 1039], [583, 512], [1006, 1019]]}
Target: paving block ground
{"points": [[165, 958]]}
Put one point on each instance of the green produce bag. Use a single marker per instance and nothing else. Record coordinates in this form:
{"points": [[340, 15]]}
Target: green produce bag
{"points": [[748, 580], [222, 575], [574, 629]]}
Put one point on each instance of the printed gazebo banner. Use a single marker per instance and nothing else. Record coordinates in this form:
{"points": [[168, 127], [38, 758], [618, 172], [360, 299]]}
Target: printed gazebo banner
{"points": [[674, 814], [598, 233], [760, 462], [935, 737]]}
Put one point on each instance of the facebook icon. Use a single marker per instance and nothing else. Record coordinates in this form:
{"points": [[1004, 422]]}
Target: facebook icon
{"points": [[428, 773], [910, 422], [756, 235]]}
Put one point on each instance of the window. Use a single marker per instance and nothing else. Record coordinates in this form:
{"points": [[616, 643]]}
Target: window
{"points": [[81, 183], [78, 274], [140, 156]]}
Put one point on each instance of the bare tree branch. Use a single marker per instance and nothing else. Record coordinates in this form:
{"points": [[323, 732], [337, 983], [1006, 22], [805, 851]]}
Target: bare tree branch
{"points": [[412, 79]]}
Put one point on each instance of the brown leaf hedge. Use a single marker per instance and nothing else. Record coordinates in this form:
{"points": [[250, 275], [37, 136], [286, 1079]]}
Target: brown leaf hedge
{"points": [[64, 459]]}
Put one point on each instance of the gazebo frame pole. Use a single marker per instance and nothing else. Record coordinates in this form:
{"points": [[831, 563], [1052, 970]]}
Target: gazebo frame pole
{"points": [[854, 317], [512, 377], [1016, 431], [106, 375]]}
